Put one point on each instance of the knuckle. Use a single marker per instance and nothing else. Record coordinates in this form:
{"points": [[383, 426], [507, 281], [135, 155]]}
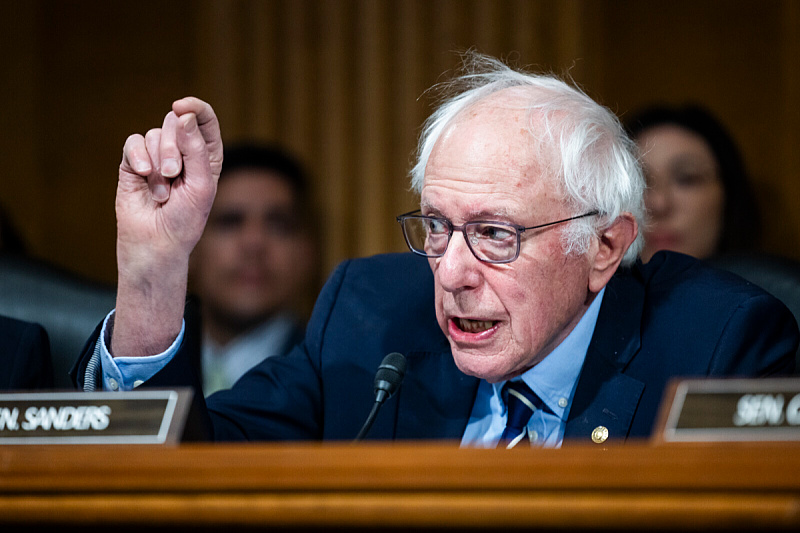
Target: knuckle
{"points": [[196, 144], [132, 139]]}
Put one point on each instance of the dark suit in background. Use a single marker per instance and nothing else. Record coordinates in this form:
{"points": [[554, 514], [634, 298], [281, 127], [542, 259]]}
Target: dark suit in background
{"points": [[25, 362], [670, 317]]}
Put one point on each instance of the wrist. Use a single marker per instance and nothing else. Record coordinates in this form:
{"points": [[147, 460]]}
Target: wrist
{"points": [[149, 309]]}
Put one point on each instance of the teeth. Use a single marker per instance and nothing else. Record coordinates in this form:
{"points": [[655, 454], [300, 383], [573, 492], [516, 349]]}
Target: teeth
{"points": [[474, 326]]}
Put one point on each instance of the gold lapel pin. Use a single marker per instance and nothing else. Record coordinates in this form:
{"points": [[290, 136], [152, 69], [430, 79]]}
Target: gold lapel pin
{"points": [[599, 434]]}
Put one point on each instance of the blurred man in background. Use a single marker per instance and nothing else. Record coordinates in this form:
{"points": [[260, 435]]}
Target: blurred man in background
{"points": [[254, 264]]}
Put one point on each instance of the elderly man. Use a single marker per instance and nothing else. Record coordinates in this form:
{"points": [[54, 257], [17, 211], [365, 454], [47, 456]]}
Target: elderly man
{"points": [[530, 321]]}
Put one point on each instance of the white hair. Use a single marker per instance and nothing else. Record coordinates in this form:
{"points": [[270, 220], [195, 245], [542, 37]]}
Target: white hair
{"points": [[594, 160]]}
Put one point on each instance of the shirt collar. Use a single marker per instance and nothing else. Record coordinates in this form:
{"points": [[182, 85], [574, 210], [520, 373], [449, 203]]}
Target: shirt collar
{"points": [[555, 377], [243, 352]]}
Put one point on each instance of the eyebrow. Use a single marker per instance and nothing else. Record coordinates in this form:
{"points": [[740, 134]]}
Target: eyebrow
{"points": [[500, 214]]}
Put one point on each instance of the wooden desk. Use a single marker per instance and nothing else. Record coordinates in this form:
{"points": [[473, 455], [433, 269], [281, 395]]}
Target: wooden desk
{"points": [[401, 486]]}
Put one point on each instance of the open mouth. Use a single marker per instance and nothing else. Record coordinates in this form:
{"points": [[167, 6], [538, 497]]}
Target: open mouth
{"points": [[468, 325]]}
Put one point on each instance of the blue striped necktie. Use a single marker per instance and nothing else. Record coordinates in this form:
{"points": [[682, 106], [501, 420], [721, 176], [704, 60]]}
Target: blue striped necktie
{"points": [[521, 403]]}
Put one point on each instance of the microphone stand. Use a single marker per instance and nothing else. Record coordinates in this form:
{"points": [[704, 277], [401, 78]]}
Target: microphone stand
{"points": [[387, 381], [369, 421]]}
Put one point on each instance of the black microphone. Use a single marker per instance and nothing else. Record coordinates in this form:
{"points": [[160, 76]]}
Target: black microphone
{"points": [[387, 380]]}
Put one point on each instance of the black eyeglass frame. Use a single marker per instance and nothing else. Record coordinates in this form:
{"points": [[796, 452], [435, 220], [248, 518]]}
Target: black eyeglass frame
{"points": [[416, 214]]}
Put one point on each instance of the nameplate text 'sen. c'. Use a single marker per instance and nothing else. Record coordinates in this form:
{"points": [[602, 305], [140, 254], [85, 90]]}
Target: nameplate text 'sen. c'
{"points": [[728, 410]]}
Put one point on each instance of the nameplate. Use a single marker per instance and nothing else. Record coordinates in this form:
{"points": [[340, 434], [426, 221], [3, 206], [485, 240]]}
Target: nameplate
{"points": [[728, 410], [134, 417]]}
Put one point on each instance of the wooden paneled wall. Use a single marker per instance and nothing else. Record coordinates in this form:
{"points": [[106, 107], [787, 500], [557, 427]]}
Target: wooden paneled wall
{"points": [[342, 83]]}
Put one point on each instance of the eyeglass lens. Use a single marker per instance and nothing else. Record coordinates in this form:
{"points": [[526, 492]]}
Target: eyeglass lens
{"points": [[489, 242]]}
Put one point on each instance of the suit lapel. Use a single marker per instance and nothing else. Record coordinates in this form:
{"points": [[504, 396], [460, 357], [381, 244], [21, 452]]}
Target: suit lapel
{"points": [[435, 400], [605, 397]]}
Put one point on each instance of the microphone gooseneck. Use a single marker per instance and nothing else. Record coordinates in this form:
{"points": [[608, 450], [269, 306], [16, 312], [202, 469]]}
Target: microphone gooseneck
{"points": [[387, 380]]}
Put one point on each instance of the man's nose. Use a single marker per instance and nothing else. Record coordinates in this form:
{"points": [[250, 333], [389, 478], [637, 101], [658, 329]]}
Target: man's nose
{"points": [[458, 268], [254, 235]]}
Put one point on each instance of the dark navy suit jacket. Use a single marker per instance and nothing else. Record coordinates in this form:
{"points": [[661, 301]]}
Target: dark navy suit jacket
{"points": [[25, 361], [670, 317]]}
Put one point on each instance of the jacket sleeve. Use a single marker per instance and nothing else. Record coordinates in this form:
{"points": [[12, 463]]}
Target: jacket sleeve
{"points": [[760, 338], [279, 399]]}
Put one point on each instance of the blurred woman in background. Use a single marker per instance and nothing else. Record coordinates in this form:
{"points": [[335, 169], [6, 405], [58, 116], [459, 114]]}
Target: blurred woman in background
{"points": [[699, 198]]}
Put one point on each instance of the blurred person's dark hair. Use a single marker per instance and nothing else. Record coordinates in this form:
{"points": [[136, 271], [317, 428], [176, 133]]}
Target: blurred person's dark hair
{"points": [[742, 224], [273, 158]]}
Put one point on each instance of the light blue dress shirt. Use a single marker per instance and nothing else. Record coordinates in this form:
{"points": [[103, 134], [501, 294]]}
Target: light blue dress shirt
{"points": [[553, 380]]}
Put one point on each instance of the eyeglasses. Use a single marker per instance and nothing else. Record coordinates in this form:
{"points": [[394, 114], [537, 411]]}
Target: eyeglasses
{"points": [[490, 242]]}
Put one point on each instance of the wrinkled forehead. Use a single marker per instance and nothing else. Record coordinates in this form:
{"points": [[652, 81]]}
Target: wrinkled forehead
{"points": [[498, 141], [508, 110]]}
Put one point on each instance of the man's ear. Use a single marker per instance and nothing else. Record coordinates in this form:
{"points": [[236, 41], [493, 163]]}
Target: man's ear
{"points": [[612, 244]]}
